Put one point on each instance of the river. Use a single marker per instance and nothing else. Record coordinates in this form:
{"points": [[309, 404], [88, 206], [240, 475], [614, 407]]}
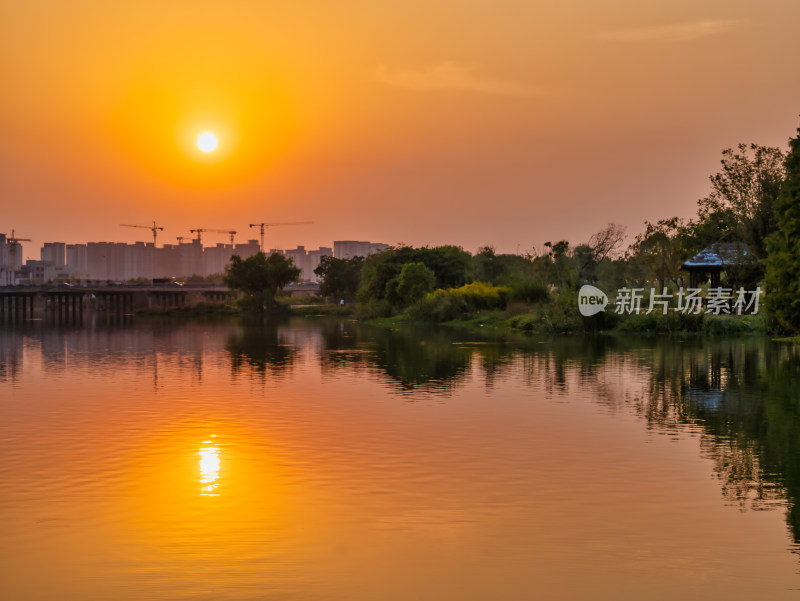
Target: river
{"points": [[320, 459]]}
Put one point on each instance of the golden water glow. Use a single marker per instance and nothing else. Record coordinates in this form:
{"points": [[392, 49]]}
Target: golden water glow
{"points": [[209, 469]]}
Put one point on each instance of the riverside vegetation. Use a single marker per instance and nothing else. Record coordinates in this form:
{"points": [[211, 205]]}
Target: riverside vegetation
{"points": [[754, 200]]}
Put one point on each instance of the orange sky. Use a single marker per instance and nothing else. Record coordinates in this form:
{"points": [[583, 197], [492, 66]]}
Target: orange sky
{"points": [[505, 123]]}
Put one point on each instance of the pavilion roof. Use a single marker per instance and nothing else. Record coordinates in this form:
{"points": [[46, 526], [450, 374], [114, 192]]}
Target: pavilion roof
{"points": [[720, 255]]}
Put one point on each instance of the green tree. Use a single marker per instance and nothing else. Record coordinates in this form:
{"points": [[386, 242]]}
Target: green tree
{"points": [[663, 247], [741, 205], [782, 279], [414, 282], [340, 277], [452, 267], [486, 266], [557, 266], [259, 278]]}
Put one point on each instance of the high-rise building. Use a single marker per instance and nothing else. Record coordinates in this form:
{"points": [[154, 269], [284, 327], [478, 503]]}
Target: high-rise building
{"points": [[76, 258], [308, 261], [217, 258], [55, 253], [248, 249], [314, 258], [348, 249], [117, 261]]}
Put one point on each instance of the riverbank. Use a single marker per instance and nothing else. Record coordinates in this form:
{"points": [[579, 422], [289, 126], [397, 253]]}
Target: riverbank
{"points": [[539, 324], [202, 310], [539, 319]]}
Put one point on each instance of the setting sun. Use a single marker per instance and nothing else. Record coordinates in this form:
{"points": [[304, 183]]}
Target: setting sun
{"points": [[207, 141]]}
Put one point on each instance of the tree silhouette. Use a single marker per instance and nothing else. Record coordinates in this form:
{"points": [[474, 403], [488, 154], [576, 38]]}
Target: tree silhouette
{"points": [[259, 278]]}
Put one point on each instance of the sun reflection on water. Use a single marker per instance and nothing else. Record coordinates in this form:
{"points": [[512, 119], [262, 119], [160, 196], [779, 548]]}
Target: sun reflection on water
{"points": [[209, 469]]}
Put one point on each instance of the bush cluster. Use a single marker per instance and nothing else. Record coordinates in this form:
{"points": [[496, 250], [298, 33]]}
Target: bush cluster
{"points": [[452, 303]]}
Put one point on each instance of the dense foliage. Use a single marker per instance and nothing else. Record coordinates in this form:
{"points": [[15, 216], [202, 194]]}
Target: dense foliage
{"points": [[783, 263], [451, 267], [340, 277], [753, 203], [259, 278], [414, 282]]}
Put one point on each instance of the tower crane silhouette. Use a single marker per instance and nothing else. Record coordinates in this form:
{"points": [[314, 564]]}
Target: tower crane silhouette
{"points": [[199, 231], [153, 227], [265, 225], [13, 242]]}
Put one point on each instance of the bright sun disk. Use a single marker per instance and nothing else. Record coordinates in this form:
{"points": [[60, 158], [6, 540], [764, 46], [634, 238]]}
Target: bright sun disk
{"points": [[207, 141]]}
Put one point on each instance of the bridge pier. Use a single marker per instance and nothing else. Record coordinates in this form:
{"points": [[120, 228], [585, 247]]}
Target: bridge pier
{"points": [[16, 306], [166, 298], [72, 304], [116, 302], [64, 306], [218, 296]]}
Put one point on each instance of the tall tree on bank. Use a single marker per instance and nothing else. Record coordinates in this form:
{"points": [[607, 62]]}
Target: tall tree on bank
{"points": [[782, 280], [414, 282], [259, 278], [340, 277], [662, 247], [741, 205]]}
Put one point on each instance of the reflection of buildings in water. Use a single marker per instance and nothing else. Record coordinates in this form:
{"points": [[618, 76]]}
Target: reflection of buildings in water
{"points": [[11, 356], [738, 395], [143, 346]]}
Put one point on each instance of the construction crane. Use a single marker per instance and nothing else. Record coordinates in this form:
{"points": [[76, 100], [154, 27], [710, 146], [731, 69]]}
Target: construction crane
{"points": [[12, 242], [153, 227], [199, 231], [263, 225]]}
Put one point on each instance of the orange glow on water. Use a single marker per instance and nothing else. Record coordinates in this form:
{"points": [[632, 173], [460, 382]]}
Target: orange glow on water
{"points": [[209, 469]]}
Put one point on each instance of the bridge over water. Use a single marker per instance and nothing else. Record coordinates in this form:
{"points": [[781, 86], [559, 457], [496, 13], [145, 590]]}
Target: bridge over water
{"points": [[71, 303]]}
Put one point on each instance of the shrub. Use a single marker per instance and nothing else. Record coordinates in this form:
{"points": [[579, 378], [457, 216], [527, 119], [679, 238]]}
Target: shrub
{"points": [[373, 309], [438, 308], [526, 322], [529, 291], [479, 295]]}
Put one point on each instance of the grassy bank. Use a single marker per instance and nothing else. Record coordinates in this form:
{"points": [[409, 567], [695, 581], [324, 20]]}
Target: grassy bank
{"points": [[559, 315]]}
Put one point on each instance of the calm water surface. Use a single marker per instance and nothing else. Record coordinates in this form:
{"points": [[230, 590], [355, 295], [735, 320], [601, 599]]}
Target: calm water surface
{"points": [[320, 460]]}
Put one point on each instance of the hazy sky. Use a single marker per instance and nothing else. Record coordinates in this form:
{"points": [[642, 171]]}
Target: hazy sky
{"points": [[506, 122]]}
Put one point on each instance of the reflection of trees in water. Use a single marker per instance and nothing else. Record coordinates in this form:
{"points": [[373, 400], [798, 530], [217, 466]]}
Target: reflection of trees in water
{"points": [[739, 394], [737, 465], [430, 362], [584, 356], [743, 394], [260, 346], [423, 359]]}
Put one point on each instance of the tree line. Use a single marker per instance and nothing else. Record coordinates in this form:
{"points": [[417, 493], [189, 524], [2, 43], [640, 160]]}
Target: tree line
{"points": [[754, 201]]}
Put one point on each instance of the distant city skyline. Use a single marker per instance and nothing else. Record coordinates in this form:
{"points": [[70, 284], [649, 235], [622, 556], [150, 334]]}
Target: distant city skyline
{"points": [[120, 261], [507, 125]]}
